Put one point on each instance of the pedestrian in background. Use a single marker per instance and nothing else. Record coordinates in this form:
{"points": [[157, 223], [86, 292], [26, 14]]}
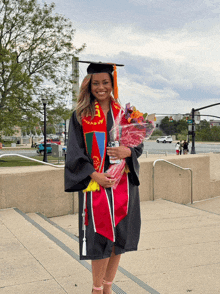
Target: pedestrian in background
{"points": [[185, 147], [177, 148]]}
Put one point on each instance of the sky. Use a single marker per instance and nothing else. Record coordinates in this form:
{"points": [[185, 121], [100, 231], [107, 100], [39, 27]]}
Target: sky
{"points": [[170, 49]]}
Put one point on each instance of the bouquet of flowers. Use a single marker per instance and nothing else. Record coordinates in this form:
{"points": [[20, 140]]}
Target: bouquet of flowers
{"points": [[131, 128]]}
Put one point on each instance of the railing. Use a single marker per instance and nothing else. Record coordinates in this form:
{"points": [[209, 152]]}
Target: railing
{"points": [[177, 167], [32, 159]]}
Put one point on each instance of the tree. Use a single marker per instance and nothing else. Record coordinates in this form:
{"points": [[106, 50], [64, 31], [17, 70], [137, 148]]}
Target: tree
{"points": [[58, 115], [182, 126], [36, 48], [157, 132], [203, 131], [182, 135], [13, 96], [215, 133], [169, 128]]}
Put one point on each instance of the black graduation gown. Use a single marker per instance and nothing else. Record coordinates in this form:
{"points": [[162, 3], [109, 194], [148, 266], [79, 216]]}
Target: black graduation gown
{"points": [[78, 167]]}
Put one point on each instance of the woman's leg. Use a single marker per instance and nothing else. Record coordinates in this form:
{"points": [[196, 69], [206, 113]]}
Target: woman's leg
{"points": [[111, 271], [98, 273]]}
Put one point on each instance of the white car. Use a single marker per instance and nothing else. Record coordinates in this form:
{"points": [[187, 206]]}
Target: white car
{"points": [[164, 139]]}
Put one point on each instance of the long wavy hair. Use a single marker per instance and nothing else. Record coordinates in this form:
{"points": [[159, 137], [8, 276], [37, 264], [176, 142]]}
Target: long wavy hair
{"points": [[86, 101]]}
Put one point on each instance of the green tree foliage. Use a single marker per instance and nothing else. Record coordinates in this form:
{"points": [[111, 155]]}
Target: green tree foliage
{"points": [[206, 133], [169, 128], [157, 133], [203, 131], [174, 127], [36, 48], [215, 133], [182, 126], [182, 135], [58, 114]]}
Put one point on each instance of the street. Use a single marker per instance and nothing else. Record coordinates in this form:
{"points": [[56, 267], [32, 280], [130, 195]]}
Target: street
{"points": [[151, 146], [160, 148]]}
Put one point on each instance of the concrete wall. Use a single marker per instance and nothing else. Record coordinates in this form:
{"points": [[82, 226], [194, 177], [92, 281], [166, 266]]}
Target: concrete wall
{"points": [[35, 189], [41, 188], [174, 184]]}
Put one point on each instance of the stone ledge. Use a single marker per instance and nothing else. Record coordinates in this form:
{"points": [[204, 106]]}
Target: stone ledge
{"points": [[41, 188]]}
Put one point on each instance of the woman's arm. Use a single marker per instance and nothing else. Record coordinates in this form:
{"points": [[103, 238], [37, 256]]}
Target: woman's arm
{"points": [[78, 165], [131, 156]]}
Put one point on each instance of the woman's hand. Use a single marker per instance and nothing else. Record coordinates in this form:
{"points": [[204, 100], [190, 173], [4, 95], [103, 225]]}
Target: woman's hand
{"points": [[118, 152], [103, 179]]}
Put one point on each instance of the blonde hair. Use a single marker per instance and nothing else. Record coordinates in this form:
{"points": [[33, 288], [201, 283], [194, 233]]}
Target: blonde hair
{"points": [[86, 101]]}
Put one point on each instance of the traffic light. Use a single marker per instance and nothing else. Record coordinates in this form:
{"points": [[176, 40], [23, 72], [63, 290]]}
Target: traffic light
{"points": [[170, 119]]}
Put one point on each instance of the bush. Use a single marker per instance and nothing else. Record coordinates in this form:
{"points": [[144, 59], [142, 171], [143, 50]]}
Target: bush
{"points": [[157, 133]]}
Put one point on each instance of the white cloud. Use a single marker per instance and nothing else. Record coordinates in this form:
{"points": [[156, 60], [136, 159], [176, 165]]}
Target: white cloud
{"points": [[160, 65], [180, 46], [184, 58], [164, 101]]}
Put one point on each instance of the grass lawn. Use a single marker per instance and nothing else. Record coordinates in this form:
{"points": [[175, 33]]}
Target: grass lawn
{"points": [[19, 161]]}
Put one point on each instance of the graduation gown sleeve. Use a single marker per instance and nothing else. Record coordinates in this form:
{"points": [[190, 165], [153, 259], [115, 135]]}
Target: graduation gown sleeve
{"points": [[78, 164]]}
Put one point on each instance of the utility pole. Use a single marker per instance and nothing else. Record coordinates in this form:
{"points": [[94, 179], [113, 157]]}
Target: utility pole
{"points": [[44, 101], [75, 78]]}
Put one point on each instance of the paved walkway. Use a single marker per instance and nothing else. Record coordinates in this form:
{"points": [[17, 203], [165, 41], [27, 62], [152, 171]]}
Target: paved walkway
{"points": [[179, 252]]}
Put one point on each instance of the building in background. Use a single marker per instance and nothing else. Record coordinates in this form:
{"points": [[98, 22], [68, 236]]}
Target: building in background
{"points": [[214, 123]]}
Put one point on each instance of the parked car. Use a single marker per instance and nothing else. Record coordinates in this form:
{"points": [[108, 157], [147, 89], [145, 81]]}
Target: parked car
{"points": [[56, 141], [164, 139], [40, 148]]}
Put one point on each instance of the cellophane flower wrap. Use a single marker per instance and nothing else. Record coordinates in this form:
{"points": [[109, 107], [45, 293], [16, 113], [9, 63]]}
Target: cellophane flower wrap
{"points": [[130, 130]]}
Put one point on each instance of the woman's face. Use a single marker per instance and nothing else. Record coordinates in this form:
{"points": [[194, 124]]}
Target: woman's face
{"points": [[101, 86]]}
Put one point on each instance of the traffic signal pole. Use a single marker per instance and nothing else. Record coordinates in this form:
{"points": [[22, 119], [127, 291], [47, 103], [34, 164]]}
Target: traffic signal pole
{"points": [[193, 151]]}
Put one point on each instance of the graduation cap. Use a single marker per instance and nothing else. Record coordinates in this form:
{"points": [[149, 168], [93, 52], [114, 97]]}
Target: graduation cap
{"points": [[99, 67]]}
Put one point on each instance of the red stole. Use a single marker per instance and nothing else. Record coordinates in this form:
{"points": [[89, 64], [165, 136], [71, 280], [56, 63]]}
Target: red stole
{"points": [[95, 136]]}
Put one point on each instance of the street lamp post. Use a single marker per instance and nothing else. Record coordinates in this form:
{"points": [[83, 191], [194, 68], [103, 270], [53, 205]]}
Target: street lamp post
{"points": [[45, 130], [65, 134], [32, 141]]}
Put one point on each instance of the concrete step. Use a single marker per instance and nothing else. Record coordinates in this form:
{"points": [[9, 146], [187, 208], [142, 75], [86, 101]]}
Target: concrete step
{"points": [[176, 241], [62, 229], [39, 256], [33, 260], [67, 238]]}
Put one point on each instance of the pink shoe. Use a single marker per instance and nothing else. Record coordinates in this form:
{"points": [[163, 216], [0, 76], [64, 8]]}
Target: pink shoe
{"points": [[107, 283], [97, 288]]}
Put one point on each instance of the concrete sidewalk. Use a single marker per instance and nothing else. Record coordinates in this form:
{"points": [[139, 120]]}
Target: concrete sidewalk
{"points": [[178, 252]]}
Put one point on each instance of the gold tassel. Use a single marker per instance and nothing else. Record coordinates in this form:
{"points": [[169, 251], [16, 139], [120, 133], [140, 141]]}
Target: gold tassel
{"points": [[115, 83], [93, 186], [127, 169]]}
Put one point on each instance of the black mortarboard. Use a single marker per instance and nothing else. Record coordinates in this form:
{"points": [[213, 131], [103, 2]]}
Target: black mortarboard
{"points": [[97, 67]]}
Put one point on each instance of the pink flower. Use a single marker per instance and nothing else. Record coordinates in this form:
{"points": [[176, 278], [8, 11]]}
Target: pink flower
{"points": [[130, 130]]}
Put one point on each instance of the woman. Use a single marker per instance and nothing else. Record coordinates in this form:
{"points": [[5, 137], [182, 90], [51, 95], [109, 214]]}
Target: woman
{"points": [[177, 148], [109, 220]]}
